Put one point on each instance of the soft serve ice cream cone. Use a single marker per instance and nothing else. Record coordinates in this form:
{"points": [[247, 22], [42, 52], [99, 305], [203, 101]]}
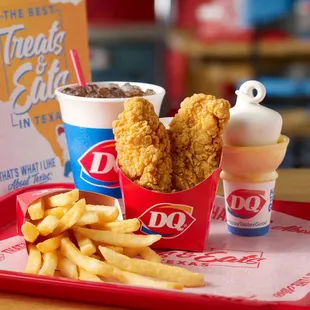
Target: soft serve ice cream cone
{"points": [[253, 150]]}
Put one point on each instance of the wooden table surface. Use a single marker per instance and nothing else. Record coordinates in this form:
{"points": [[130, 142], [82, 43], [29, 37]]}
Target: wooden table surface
{"points": [[293, 184]]}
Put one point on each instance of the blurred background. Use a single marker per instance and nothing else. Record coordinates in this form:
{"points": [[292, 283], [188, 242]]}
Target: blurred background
{"points": [[210, 46]]}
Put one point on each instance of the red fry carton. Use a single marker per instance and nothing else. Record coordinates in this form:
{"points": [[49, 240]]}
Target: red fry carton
{"points": [[26, 199], [181, 218]]}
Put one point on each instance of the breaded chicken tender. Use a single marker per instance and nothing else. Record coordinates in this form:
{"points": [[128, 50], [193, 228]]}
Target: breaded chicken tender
{"points": [[196, 139], [143, 146]]}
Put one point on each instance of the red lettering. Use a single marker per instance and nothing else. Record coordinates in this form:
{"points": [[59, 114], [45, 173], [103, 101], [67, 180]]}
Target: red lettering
{"points": [[14, 248], [215, 211], [181, 262], [8, 251], [222, 216], [277, 228], [244, 259], [192, 264], [302, 282], [208, 257], [166, 254], [218, 213], [295, 229], [185, 255], [222, 257], [288, 290], [251, 259], [304, 231], [228, 259], [170, 262], [19, 246]]}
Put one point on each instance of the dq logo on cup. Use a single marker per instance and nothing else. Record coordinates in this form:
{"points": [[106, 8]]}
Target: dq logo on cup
{"points": [[99, 165], [245, 204], [168, 220], [93, 159]]}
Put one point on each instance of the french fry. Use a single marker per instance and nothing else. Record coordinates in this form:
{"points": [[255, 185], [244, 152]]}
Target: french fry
{"points": [[118, 249], [152, 269], [86, 276], [30, 232], [59, 255], [131, 252], [70, 218], [67, 268], [91, 265], [36, 210], [86, 245], [135, 279], [34, 260], [51, 244], [115, 248], [113, 238], [66, 208], [48, 225], [96, 256], [49, 264], [57, 211], [148, 254], [88, 218], [105, 213], [107, 249], [126, 226], [63, 199]]}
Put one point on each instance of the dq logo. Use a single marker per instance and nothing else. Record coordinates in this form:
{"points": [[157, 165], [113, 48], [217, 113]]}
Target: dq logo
{"points": [[99, 165], [168, 220], [244, 203]]}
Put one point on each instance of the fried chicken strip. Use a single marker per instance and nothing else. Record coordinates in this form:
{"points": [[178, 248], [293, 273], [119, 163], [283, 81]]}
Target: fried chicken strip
{"points": [[196, 139], [143, 146]]}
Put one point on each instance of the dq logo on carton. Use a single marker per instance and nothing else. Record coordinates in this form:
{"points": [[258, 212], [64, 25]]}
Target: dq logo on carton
{"points": [[245, 204], [168, 220], [98, 165]]}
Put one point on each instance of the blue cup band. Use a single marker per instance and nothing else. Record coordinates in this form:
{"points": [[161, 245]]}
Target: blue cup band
{"points": [[248, 232]]}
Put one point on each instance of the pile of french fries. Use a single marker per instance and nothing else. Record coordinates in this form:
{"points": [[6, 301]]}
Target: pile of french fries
{"points": [[69, 238]]}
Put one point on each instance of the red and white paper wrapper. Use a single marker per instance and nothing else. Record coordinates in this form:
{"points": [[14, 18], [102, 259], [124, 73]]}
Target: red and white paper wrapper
{"points": [[270, 268], [181, 218]]}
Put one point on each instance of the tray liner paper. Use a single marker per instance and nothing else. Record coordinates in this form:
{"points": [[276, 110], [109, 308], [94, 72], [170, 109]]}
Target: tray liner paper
{"points": [[275, 267]]}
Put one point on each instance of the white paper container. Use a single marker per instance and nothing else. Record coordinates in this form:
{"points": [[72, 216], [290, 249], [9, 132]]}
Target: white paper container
{"points": [[100, 112]]}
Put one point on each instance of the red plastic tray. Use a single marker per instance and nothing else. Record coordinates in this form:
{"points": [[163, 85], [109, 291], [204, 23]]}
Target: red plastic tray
{"points": [[114, 294]]}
